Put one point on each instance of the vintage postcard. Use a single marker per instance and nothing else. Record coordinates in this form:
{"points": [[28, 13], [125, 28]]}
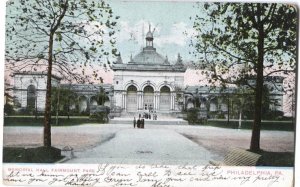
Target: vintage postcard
{"points": [[149, 93]]}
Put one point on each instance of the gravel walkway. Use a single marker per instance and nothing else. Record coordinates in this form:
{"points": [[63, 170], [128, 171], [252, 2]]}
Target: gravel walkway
{"points": [[86, 137], [146, 146]]}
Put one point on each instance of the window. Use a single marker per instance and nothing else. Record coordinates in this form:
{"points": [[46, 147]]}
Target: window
{"points": [[31, 96]]}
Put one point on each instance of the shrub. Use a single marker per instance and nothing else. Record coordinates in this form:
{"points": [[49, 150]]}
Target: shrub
{"points": [[99, 116], [8, 109], [192, 115]]}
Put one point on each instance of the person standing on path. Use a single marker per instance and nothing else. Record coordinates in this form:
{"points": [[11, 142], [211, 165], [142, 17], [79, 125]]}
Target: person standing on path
{"points": [[134, 122], [143, 123], [138, 123]]}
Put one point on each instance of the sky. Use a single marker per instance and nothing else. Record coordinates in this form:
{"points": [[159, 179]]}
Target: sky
{"points": [[173, 31], [172, 35], [123, 8], [170, 20]]}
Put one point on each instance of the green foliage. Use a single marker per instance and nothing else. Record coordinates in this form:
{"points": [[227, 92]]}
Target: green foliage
{"points": [[66, 98], [101, 96], [31, 121], [266, 125], [61, 36], [243, 43], [192, 115], [228, 35], [31, 155], [8, 109], [73, 33], [99, 116]]}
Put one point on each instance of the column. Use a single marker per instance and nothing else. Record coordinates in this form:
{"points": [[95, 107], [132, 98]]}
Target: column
{"points": [[174, 100], [122, 100], [158, 95], [142, 101], [139, 95], [155, 101], [88, 100], [125, 98], [137, 101], [171, 101]]}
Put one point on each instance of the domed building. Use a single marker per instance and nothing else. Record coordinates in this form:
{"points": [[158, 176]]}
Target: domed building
{"points": [[148, 81]]}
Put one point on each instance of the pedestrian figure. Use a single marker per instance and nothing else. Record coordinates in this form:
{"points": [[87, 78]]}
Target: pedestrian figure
{"points": [[134, 122], [139, 115], [143, 123], [149, 115], [138, 123]]}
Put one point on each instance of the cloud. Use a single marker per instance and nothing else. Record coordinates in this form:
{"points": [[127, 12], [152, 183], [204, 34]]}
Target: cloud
{"points": [[178, 34], [133, 32]]}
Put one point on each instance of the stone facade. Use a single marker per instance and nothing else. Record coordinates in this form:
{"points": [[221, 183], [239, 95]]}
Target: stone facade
{"points": [[86, 95], [148, 82], [33, 84]]}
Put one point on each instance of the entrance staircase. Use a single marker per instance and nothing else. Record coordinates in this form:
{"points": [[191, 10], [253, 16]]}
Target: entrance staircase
{"points": [[162, 119]]}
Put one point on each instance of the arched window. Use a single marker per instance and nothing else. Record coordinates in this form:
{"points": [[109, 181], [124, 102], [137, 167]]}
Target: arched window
{"points": [[165, 89], [131, 88], [31, 96], [148, 89], [131, 99], [165, 98], [148, 98]]}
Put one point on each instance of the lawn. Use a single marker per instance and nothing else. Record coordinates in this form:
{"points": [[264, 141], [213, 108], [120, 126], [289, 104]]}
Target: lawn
{"points": [[31, 155], [31, 121], [266, 125]]}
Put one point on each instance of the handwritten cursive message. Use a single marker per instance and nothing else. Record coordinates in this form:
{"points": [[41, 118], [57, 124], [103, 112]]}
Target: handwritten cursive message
{"points": [[143, 175]]}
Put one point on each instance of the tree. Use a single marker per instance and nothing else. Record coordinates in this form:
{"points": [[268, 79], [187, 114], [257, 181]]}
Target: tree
{"points": [[62, 97], [290, 91], [101, 96], [243, 43], [58, 36]]}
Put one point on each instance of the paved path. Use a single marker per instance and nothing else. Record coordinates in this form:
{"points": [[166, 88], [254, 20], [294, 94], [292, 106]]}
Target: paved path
{"points": [[146, 146], [95, 139]]}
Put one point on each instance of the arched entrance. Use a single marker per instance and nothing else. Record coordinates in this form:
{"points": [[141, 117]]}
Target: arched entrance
{"points": [[83, 104], [131, 99], [107, 101], [148, 98], [165, 99], [31, 97], [93, 101], [189, 103]]}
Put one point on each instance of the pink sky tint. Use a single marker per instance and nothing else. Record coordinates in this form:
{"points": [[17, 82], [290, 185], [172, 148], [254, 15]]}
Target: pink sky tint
{"points": [[194, 77]]}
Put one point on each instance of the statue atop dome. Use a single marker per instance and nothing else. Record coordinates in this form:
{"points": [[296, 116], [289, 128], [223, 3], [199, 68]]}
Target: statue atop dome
{"points": [[149, 37], [179, 60], [119, 59]]}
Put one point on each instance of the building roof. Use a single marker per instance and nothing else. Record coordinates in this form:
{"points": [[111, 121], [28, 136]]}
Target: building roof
{"points": [[208, 89], [148, 56], [36, 73], [149, 60], [143, 67]]}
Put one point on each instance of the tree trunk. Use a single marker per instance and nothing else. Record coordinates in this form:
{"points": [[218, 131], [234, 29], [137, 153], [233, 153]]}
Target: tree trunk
{"points": [[57, 106], [47, 115], [228, 111], [255, 139], [240, 120], [68, 107]]}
